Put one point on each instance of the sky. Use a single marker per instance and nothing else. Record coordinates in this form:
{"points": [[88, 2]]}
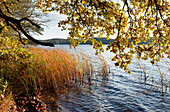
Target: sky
{"points": [[51, 30]]}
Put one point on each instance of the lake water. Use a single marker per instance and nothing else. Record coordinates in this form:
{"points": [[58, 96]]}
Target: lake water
{"points": [[121, 91]]}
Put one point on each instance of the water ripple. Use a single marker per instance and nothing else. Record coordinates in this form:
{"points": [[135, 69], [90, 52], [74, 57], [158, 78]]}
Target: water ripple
{"points": [[120, 92]]}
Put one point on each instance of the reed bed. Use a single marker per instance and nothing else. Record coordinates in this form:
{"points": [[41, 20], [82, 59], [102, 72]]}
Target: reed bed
{"points": [[49, 69], [58, 69]]}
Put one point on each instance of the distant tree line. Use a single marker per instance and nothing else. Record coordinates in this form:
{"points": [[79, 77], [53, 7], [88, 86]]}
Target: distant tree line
{"points": [[66, 41]]}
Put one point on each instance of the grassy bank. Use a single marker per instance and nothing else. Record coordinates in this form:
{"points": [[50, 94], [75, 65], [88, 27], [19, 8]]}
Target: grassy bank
{"points": [[47, 71]]}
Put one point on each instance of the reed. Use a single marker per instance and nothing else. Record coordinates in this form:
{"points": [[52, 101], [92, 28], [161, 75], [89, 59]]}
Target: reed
{"points": [[104, 68], [144, 71], [162, 83], [6, 102], [59, 69], [6, 98]]}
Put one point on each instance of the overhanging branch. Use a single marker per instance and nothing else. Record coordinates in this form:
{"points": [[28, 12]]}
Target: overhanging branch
{"points": [[158, 8], [15, 24]]}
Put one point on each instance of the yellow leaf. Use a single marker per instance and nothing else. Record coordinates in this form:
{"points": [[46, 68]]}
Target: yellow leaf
{"points": [[107, 37], [83, 1], [2, 24], [6, 29]]}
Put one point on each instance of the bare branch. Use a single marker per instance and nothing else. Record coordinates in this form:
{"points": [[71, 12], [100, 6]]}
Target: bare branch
{"points": [[15, 29], [14, 22], [26, 19], [19, 34], [31, 38]]}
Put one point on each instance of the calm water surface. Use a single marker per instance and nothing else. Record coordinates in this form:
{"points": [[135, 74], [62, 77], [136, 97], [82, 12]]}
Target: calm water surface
{"points": [[120, 91]]}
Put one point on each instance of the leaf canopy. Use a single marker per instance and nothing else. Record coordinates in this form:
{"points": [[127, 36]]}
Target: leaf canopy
{"points": [[129, 21]]}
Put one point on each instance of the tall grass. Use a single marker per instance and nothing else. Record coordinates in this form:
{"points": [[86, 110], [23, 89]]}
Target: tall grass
{"points": [[59, 69]]}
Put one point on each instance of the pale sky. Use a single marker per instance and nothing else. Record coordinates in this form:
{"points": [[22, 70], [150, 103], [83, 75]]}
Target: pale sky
{"points": [[52, 30]]}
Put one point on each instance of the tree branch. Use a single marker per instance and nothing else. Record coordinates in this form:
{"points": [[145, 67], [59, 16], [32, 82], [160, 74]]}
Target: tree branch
{"points": [[119, 28], [26, 19], [14, 22], [158, 8], [7, 8], [147, 9], [120, 22]]}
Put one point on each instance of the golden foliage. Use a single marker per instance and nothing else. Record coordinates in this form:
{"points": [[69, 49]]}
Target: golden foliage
{"points": [[129, 21]]}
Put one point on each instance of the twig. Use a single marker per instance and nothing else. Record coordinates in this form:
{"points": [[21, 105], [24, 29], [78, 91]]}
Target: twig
{"points": [[16, 25], [157, 8]]}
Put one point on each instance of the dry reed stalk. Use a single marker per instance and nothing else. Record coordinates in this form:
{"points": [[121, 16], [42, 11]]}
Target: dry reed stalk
{"points": [[61, 68], [87, 65], [103, 66], [161, 84], [6, 103], [143, 72]]}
